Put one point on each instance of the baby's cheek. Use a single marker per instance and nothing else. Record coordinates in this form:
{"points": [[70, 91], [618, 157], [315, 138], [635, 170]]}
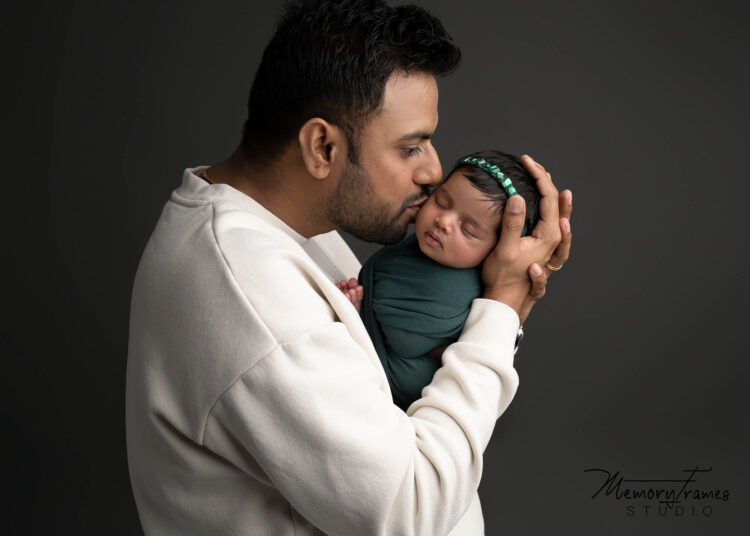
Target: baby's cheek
{"points": [[422, 217], [480, 251]]}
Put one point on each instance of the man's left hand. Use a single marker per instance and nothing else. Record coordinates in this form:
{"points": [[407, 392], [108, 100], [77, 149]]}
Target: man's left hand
{"points": [[540, 274]]}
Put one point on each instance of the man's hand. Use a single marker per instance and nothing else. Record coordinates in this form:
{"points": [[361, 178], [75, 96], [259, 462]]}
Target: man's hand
{"points": [[540, 274], [509, 272], [352, 290]]}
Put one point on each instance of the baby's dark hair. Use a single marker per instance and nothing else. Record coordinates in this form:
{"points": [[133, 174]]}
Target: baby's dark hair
{"points": [[513, 168]]}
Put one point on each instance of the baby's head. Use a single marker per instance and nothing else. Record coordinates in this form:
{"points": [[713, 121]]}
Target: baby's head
{"points": [[459, 224]]}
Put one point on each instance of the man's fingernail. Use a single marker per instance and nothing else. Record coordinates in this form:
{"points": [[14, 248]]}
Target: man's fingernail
{"points": [[514, 205], [531, 158], [571, 197], [536, 270], [566, 225]]}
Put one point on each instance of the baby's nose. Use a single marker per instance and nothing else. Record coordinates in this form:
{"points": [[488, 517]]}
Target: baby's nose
{"points": [[443, 222]]}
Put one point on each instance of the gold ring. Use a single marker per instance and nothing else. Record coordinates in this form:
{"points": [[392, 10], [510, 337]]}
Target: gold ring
{"points": [[548, 265]]}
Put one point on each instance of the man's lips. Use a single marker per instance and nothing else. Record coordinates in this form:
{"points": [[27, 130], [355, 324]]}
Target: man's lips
{"points": [[432, 239], [418, 204]]}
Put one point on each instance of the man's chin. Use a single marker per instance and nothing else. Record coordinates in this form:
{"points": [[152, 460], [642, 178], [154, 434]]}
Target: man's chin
{"points": [[385, 235], [399, 231]]}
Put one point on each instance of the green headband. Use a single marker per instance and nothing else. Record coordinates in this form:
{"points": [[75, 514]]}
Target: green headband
{"points": [[494, 171], [499, 176]]}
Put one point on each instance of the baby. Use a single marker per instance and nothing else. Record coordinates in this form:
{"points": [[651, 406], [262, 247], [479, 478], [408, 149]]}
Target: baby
{"points": [[415, 296]]}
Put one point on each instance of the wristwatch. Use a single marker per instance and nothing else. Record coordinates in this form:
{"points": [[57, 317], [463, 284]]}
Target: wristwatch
{"points": [[519, 338]]}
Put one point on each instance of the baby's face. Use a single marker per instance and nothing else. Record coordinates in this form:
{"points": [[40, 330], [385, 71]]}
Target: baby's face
{"points": [[457, 226]]}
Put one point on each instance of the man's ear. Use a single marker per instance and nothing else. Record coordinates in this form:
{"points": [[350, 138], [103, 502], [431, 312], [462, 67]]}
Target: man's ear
{"points": [[322, 145]]}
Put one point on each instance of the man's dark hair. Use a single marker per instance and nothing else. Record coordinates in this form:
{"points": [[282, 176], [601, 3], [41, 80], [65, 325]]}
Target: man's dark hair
{"points": [[332, 59], [512, 167]]}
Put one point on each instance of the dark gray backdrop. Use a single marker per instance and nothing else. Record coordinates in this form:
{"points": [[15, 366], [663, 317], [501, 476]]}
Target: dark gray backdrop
{"points": [[634, 362]]}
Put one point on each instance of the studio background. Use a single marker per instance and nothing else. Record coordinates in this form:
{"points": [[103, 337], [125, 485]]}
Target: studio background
{"points": [[636, 359]]}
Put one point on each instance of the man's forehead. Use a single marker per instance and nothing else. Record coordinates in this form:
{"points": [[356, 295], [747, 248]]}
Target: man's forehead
{"points": [[409, 108], [407, 81]]}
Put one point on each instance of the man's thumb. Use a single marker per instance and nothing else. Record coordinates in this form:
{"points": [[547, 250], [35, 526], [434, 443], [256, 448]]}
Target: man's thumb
{"points": [[513, 217]]}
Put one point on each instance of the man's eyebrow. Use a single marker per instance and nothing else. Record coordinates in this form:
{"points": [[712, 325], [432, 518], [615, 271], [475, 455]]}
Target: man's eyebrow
{"points": [[421, 134]]}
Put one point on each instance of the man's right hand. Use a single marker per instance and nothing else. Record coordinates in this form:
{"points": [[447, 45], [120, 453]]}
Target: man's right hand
{"points": [[507, 272]]}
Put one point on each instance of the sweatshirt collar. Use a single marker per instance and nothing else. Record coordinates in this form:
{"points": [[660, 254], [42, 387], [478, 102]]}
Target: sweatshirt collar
{"points": [[194, 187]]}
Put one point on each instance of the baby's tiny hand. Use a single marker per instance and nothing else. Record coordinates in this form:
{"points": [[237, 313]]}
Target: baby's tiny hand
{"points": [[352, 290]]}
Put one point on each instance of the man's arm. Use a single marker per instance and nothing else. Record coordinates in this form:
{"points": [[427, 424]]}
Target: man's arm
{"points": [[312, 414]]}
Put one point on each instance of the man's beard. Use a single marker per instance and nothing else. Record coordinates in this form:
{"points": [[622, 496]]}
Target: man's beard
{"points": [[355, 209]]}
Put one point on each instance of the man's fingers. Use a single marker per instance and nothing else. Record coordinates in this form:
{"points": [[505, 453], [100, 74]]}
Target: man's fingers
{"points": [[549, 213], [566, 204], [548, 209], [538, 281], [561, 253], [512, 224]]}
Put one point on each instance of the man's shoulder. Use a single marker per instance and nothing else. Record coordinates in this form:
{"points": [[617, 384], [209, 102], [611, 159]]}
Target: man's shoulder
{"points": [[225, 250], [217, 290], [272, 271]]}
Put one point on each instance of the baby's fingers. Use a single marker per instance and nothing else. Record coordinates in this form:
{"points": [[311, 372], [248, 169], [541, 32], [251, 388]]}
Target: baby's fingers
{"points": [[352, 295]]}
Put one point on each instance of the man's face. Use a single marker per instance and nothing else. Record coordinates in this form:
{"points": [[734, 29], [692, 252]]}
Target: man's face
{"points": [[457, 226], [376, 199]]}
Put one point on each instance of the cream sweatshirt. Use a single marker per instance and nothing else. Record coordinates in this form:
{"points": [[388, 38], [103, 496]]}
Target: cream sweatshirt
{"points": [[256, 404]]}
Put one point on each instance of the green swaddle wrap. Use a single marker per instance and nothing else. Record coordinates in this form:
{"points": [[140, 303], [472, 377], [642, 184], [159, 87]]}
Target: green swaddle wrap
{"points": [[411, 305]]}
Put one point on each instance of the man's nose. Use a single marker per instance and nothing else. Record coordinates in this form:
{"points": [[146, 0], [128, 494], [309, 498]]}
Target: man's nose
{"points": [[430, 172]]}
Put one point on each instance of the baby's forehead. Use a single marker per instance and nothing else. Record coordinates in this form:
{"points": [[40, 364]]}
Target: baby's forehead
{"points": [[464, 194], [457, 185]]}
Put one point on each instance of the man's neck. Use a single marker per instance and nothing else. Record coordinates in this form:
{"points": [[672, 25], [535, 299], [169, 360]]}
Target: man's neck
{"points": [[283, 189]]}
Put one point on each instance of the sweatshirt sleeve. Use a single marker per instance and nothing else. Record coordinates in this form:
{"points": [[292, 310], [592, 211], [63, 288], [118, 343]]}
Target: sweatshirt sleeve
{"points": [[311, 419]]}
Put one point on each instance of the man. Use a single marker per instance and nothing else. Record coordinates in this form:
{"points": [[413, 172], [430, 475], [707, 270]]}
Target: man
{"points": [[256, 403]]}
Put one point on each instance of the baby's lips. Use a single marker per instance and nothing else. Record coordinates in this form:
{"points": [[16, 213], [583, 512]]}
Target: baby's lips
{"points": [[434, 237]]}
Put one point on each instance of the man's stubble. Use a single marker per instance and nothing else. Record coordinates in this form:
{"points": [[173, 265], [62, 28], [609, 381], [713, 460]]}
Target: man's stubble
{"points": [[357, 210]]}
